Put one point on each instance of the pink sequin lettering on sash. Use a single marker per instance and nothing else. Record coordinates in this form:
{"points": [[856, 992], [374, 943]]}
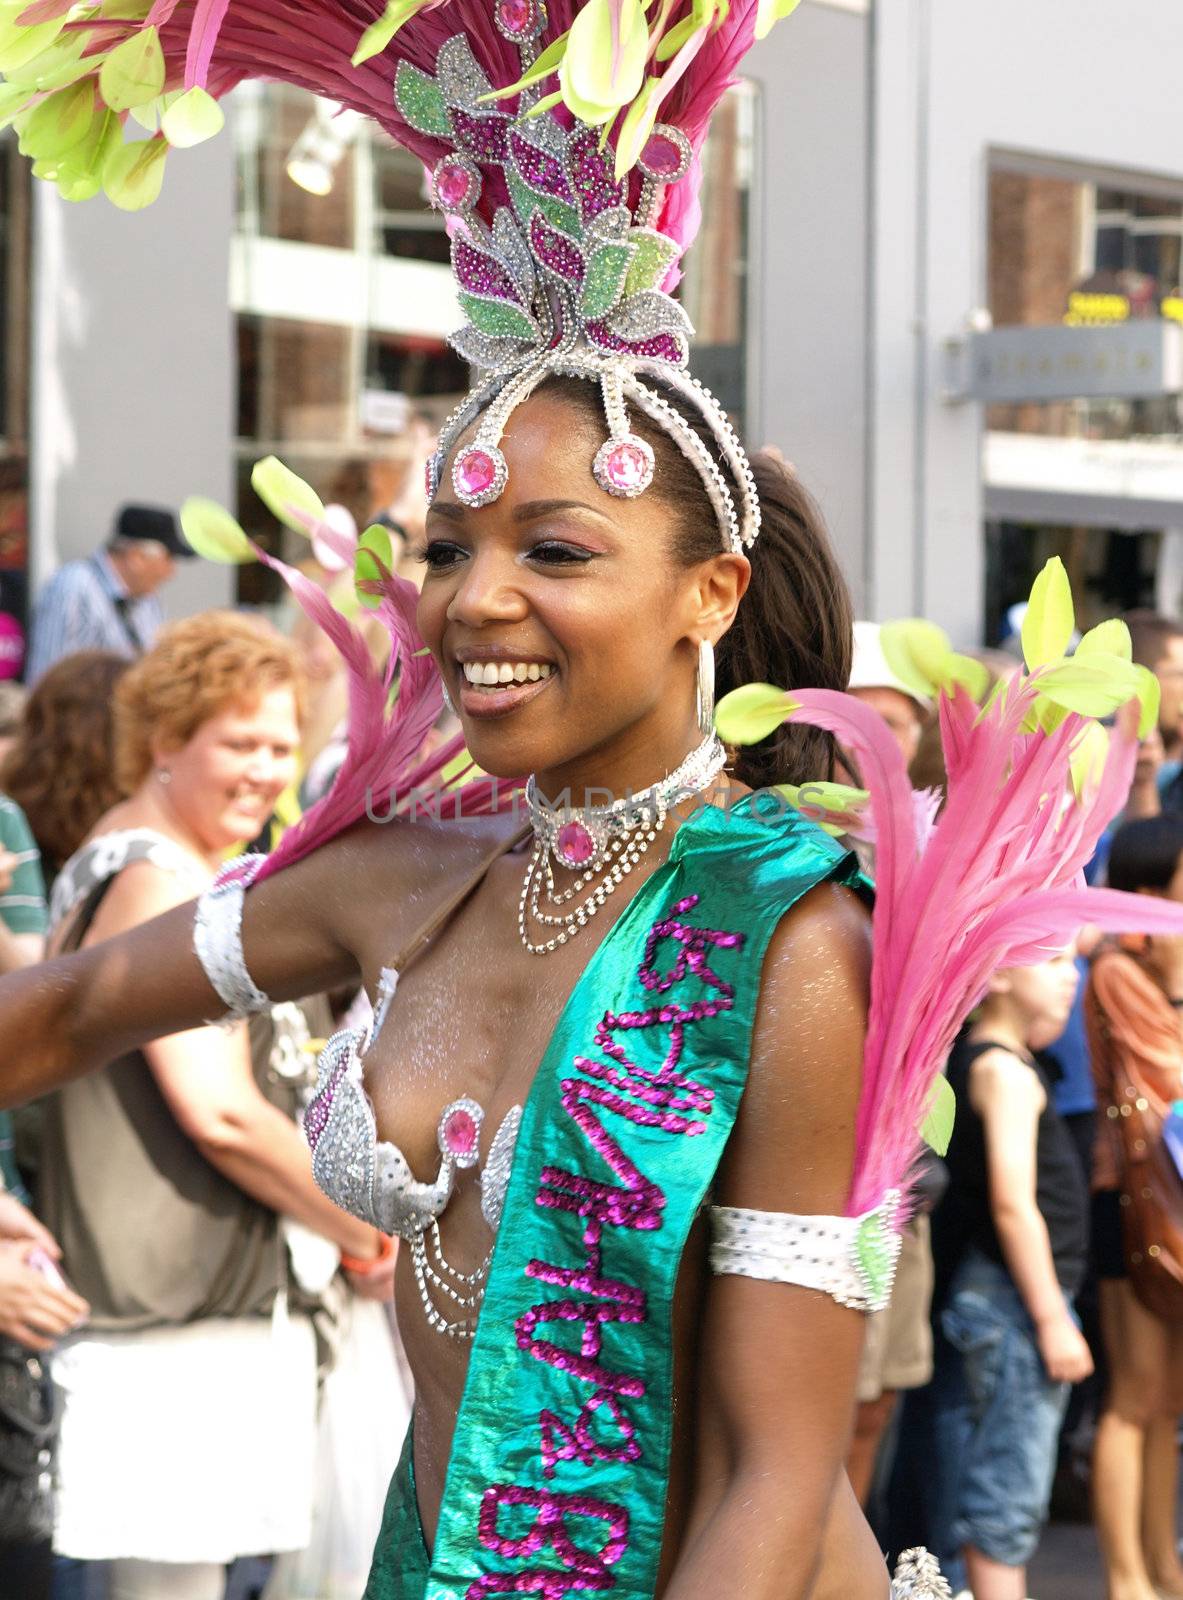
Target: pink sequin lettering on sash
{"points": [[674, 1102]]}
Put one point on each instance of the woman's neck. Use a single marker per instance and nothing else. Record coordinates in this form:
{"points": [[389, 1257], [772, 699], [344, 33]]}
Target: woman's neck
{"points": [[149, 807], [633, 764]]}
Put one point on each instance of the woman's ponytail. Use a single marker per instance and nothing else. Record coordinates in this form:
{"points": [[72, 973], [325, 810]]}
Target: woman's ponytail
{"points": [[794, 626]]}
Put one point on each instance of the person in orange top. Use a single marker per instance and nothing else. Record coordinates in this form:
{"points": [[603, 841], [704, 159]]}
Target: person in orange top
{"points": [[1132, 1010]]}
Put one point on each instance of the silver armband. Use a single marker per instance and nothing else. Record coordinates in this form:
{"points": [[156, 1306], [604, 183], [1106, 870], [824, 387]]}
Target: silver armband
{"points": [[217, 939], [852, 1259]]}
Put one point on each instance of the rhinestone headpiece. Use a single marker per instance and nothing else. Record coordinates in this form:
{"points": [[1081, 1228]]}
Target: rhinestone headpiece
{"points": [[567, 281]]}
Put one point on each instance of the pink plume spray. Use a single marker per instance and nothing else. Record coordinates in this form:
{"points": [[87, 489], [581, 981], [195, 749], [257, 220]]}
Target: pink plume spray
{"points": [[995, 881]]}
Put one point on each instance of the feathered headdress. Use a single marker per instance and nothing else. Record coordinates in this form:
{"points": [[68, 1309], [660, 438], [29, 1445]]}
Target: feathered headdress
{"points": [[569, 203], [994, 878]]}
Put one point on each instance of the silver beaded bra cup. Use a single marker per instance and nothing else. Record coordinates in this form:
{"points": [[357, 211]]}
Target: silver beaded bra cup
{"points": [[372, 1179]]}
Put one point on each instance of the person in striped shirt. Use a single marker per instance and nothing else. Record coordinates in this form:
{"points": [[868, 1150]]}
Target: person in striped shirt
{"points": [[109, 600]]}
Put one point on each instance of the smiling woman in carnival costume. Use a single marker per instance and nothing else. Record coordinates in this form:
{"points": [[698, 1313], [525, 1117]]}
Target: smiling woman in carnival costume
{"points": [[634, 1275]]}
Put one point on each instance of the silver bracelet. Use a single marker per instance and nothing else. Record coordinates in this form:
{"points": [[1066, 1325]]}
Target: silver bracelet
{"points": [[217, 939]]}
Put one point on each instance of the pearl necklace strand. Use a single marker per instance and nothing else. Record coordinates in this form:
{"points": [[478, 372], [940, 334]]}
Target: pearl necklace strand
{"points": [[606, 842]]}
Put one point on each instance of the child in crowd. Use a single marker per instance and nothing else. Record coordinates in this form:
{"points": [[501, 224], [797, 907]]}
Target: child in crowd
{"points": [[1013, 1229]]}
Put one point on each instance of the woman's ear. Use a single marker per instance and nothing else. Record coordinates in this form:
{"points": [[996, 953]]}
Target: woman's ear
{"points": [[720, 584], [162, 750]]}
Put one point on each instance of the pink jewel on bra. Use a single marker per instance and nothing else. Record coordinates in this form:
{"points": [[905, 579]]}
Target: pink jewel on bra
{"points": [[624, 467], [574, 844], [459, 1132], [479, 474]]}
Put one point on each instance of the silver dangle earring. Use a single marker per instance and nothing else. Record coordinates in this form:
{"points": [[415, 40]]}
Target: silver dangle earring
{"points": [[706, 688]]}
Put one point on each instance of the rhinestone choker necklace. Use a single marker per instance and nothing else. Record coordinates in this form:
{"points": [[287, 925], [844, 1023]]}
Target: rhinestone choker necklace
{"points": [[602, 844]]}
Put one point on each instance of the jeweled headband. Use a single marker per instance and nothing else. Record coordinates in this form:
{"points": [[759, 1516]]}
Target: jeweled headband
{"points": [[568, 212], [567, 281]]}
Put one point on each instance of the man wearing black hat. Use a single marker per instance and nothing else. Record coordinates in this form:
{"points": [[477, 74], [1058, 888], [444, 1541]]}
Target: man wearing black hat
{"points": [[108, 601]]}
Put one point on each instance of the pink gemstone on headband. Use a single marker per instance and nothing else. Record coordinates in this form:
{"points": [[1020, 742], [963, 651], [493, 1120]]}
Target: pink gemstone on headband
{"points": [[662, 156], [626, 467], [575, 844], [475, 472], [515, 16], [460, 1132], [452, 184]]}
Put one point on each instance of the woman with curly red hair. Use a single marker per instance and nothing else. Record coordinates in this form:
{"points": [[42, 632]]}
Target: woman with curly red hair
{"points": [[188, 1431]]}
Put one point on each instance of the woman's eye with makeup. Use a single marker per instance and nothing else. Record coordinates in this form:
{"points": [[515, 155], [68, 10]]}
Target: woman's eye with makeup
{"points": [[439, 554], [556, 552]]}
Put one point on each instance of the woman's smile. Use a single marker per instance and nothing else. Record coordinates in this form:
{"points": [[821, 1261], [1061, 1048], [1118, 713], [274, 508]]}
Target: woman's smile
{"points": [[493, 680]]}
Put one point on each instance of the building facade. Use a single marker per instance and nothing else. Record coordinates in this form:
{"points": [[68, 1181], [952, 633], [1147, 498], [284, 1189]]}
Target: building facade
{"points": [[893, 178]]}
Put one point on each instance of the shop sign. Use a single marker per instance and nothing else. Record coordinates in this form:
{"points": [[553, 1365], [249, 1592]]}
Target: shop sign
{"points": [[1134, 360]]}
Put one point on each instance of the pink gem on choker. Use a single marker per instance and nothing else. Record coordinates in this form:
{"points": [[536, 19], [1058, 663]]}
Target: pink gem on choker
{"points": [[601, 843], [574, 845]]}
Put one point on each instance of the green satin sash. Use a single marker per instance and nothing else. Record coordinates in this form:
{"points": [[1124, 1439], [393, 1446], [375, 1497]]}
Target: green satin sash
{"points": [[558, 1477]]}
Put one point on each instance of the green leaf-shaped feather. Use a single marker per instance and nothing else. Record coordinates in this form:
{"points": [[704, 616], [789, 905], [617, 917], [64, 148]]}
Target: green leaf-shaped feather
{"points": [[937, 1128]]}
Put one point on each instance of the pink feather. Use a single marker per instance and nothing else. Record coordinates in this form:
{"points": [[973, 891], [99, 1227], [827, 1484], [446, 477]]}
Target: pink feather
{"points": [[220, 43], [383, 768], [994, 881], [203, 40]]}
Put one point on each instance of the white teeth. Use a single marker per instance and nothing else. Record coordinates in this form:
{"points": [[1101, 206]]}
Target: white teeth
{"points": [[494, 674]]}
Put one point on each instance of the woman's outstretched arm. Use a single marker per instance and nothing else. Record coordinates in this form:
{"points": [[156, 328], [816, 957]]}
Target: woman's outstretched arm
{"points": [[73, 1013], [772, 1516]]}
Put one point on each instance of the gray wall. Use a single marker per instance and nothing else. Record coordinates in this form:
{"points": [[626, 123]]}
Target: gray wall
{"points": [[133, 372], [808, 327]]}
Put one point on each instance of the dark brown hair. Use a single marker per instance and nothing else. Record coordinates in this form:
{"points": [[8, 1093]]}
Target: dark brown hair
{"points": [[795, 624], [61, 770]]}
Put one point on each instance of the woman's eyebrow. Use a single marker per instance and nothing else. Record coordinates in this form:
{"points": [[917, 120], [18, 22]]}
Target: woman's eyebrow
{"points": [[530, 509], [451, 510]]}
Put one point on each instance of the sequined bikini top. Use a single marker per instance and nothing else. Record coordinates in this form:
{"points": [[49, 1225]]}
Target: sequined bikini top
{"points": [[370, 1177]]}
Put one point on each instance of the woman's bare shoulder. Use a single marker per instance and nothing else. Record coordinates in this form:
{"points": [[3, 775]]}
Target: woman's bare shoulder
{"points": [[407, 854]]}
